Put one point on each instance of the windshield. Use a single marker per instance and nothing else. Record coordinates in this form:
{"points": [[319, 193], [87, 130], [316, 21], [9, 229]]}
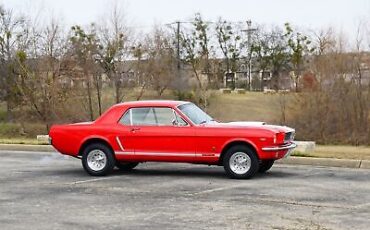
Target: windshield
{"points": [[195, 114]]}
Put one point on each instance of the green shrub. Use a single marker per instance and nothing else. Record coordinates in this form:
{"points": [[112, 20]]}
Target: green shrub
{"points": [[10, 130], [300, 154], [183, 95], [2, 115], [15, 130]]}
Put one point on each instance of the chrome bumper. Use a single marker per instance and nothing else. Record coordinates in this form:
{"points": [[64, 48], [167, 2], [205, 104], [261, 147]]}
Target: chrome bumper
{"points": [[281, 147]]}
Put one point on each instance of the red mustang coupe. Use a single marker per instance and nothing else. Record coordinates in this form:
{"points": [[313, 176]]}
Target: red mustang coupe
{"points": [[171, 131]]}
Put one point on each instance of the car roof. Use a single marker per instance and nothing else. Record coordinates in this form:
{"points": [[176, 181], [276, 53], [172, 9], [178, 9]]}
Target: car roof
{"points": [[169, 103]]}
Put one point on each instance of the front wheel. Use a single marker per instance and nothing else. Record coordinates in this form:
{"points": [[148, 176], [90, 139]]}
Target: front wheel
{"points": [[265, 165], [98, 159], [240, 162]]}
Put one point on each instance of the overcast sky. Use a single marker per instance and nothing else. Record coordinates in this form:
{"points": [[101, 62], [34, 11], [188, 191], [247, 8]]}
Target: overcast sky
{"points": [[310, 14]]}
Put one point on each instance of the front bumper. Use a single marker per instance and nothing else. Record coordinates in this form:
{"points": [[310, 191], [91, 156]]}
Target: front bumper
{"points": [[288, 146]]}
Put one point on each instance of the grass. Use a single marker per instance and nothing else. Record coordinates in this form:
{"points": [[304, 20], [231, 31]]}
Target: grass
{"points": [[251, 106], [26, 141], [300, 154], [339, 152]]}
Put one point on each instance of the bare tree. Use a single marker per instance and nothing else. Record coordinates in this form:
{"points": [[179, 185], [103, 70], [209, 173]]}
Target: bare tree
{"points": [[361, 105], [38, 76], [300, 50], [260, 51], [84, 50], [270, 50], [115, 49], [196, 51], [156, 61], [11, 30], [337, 110], [230, 43]]}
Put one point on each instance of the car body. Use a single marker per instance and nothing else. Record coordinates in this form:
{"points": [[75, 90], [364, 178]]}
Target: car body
{"points": [[171, 131]]}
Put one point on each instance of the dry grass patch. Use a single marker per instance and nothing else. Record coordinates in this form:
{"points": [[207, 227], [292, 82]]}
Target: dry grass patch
{"points": [[251, 106], [26, 141], [342, 152]]}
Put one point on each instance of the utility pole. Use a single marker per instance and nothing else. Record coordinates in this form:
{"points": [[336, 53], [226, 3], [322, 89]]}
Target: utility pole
{"points": [[178, 46], [177, 33], [249, 31]]}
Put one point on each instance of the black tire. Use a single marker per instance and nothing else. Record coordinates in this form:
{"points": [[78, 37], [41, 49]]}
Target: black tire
{"points": [[253, 159], [106, 152], [126, 166], [265, 165]]}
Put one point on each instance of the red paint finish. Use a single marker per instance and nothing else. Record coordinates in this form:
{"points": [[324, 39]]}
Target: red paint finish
{"points": [[203, 143]]}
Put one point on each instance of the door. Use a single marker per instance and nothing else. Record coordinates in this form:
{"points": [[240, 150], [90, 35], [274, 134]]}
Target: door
{"points": [[159, 134]]}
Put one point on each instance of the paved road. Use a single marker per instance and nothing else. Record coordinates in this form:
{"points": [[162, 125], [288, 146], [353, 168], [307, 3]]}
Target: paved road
{"points": [[49, 191]]}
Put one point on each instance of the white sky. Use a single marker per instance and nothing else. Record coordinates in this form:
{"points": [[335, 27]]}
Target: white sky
{"points": [[310, 14]]}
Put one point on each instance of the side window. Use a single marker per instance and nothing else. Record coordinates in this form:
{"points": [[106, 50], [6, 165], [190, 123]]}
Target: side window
{"points": [[180, 121], [149, 116], [164, 116], [139, 116], [143, 116], [126, 118]]}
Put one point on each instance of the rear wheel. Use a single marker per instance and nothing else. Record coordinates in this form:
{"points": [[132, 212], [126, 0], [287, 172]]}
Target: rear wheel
{"points": [[126, 166], [98, 159], [265, 165], [240, 162]]}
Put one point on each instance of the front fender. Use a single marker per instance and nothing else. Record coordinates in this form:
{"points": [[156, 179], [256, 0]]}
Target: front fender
{"points": [[245, 140]]}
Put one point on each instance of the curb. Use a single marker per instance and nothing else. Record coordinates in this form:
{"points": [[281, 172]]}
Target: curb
{"points": [[329, 162]]}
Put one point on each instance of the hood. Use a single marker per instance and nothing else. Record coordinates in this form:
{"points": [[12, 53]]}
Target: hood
{"points": [[252, 124], [246, 123]]}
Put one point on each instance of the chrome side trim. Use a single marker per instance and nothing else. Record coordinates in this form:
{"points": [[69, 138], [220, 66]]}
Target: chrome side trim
{"points": [[168, 154], [207, 154], [124, 152], [278, 148], [119, 143], [165, 154]]}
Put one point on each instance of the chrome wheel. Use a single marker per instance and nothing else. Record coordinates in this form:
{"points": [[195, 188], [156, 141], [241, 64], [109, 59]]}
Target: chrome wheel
{"points": [[96, 160], [240, 163]]}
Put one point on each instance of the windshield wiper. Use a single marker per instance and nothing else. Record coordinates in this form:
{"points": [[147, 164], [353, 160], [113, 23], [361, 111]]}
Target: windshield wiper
{"points": [[206, 121]]}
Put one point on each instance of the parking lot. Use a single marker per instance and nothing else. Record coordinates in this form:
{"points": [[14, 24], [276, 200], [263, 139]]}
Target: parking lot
{"points": [[49, 191]]}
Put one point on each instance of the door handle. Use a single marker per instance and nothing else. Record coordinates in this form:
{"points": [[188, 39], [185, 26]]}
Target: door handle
{"points": [[134, 129]]}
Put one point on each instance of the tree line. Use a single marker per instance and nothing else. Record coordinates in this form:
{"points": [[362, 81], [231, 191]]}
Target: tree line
{"points": [[48, 71]]}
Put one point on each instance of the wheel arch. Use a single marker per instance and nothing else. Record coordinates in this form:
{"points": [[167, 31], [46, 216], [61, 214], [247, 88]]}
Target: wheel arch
{"points": [[92, 140], [233, 143]]}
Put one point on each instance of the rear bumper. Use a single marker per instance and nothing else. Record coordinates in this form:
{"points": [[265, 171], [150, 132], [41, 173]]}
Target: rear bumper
{"points": [[281, 147]]}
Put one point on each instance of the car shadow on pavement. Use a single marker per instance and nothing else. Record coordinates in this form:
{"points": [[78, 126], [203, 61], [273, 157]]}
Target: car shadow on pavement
{"points": [[188, 172], [174, 173], [199, 173]]}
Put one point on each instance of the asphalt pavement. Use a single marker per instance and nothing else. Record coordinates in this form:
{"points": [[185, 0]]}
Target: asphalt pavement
{"points": [[45, 190]]}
